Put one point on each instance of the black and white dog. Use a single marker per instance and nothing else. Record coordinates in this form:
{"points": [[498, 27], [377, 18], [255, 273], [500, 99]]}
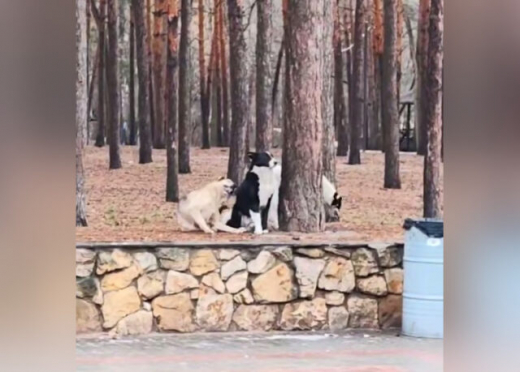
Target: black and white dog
{"points": [[330, 197], [253, 196]]}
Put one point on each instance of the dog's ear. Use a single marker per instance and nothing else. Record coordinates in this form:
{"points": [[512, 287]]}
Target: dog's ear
{"points": [[251, 155], [222, 178], [339, 201]]}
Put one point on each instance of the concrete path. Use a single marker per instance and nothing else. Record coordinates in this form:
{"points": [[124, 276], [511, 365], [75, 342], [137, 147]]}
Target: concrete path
{"points": [[266, 352]]}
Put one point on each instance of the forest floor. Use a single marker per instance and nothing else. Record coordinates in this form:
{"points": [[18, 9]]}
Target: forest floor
{"points": [[129, 204]]}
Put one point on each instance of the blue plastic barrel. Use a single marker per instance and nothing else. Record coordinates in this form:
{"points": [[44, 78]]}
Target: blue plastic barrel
{"points": [[423, 291]]}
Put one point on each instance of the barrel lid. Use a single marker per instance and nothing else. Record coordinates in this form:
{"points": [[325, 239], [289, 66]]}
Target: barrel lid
{"points": [[431, 227]]}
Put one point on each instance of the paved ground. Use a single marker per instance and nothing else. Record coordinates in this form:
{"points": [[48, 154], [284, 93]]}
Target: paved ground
{"points": [[272, 352]]}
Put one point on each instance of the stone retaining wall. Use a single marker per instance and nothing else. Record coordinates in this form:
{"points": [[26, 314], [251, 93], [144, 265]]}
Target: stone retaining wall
{"points": [[138, 288]]}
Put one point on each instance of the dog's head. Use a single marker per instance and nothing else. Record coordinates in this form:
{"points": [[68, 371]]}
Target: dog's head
{"points": [[336, 201], [227, 186], [261, 159]]}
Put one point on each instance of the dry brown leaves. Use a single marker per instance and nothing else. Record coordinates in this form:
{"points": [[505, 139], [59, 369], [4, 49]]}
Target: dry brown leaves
{"points": [[129, 204]]}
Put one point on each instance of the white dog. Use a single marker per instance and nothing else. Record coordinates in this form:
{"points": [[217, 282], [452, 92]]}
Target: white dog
{"points": [[201, 208]]}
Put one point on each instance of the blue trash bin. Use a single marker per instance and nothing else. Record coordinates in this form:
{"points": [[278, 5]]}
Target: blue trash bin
{"points": [[423, 292]]}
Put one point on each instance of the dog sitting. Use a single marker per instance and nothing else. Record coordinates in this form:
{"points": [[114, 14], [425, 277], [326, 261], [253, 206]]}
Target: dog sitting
{"points": [[254, 193], [201, 208], [330, 197]]}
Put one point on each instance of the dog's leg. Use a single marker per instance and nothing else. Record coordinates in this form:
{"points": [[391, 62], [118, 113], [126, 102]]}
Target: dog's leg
{"points": [[273, 212], [184, 224], [265, 214], [257, 220], [222, 227], [201, 223]]}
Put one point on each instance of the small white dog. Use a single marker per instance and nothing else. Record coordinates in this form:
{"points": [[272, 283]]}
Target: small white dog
{"points": [[201, 208]]}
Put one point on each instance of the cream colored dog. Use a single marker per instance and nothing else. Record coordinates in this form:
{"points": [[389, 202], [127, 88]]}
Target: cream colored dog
{"points": [[200, 208]]}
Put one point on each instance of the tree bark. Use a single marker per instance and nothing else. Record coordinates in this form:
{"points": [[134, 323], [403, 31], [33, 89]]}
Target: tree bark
{"points": [[389, 97], [204, 102], [422, 68], [143, 76], [131, 82], [172, 178], [149, 38], [224, 76], [357, 83], [327, 97], [378, 42], [264, 40], [81, 108], [92, 85], [343, 119], [159, 59], [218, 80], [399, 50], [432, 160], [372, 116], [301, 207], [239, 89], [113, 85], [100, 137], [184, 90]]}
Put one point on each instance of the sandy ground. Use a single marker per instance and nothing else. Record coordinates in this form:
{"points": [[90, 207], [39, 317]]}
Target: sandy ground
{"points": [[129, 204]]}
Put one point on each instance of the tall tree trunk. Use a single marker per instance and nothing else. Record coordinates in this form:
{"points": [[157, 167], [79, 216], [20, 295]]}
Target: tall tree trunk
{"points": [[100, 137], [159, 59], [218, 80], [372, 92], [432, 160], [378, 41], [224, 75], [301, 207], [399, 50], [131, 83], [149, 40], [204, 102], [81, 108], [389, 98], [343, 119], [143, 76], [239, 89], [184, 90], [209, 85], [92, 84], [327, 96], [357, 84], [172, 178], [366, 106], [422, 68], [264, 40], [277, 75], [113, 85]]}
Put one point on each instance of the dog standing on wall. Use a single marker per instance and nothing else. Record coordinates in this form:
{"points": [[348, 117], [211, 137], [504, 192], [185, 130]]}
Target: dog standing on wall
{"points": [[255, 192], [330, 197], [201, 208]]}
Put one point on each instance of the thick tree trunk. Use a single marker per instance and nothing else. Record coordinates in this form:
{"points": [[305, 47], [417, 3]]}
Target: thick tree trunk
{"points": [[218, 80], [113, 85], [204, 101], [399, 50], [343, 124], [239, 89], [264, 40], [224, 75], [81, 108], [327, 95], [432, 160], [277, 75], [372, 92], [149, 38], [172, 178], [100, 137], [389, 98], [301, 207], [131, 100], [378, 70], [357, 84], [184, 90], [143, 76], [422, 68], [159, 59]]}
